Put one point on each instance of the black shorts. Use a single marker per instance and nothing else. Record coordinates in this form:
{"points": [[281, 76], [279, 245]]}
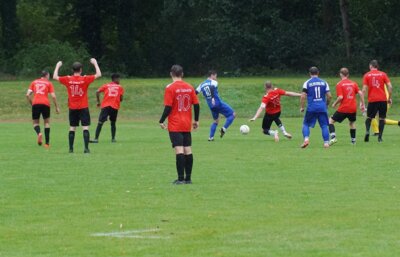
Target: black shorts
{"points": [[341, 116], [180, 139], [269, 118], [108, 112], [40, 109], [377, 107], [81, 115]]}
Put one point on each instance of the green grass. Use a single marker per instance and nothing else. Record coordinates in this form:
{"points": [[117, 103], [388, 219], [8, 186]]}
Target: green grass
{"points": [[250, 197]]}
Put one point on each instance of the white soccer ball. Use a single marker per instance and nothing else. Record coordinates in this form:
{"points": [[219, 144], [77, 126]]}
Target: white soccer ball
{"points": [[244, 129]]}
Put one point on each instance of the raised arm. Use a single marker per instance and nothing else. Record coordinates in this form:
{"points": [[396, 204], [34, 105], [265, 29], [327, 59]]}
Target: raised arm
{"points": [[96, 66], [56, 70], [259, 111], [53, 96]]}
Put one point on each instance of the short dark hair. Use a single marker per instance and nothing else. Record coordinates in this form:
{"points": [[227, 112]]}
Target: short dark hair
{"points": [[211, 72], [344, 71], [177, 71], [374, 64], [268, 85], [314, 70], [44, 73], [115, 76], [76, 67]]}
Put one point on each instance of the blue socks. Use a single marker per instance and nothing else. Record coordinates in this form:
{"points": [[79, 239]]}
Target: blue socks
{"points": [[306, 131], [213, 128], [229, 121]]}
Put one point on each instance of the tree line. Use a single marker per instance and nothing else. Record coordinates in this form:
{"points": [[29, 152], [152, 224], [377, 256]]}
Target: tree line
{"points": [[143, 38]]}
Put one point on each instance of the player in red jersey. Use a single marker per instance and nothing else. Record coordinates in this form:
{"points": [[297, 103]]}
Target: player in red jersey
{"points": [[40, 89], [77, 87], [271, 102], [346, 91], [178, 100], [375, 81], [113, 96]]}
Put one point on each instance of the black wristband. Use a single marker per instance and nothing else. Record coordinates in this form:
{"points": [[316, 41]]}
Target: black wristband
{"points": [[196, 112]]}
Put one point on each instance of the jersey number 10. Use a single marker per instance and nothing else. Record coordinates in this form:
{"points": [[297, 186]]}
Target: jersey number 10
{"points": [[183, 103]]}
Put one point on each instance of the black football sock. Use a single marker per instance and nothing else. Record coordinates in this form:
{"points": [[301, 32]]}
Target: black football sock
{"points": [[332, 130], [71, 139], [98, 130], [188, 166], [381, 127], [47, 135], [37, 129], [113, 129], [180, 166], [86, 137], [353, 134], [368, 124]]}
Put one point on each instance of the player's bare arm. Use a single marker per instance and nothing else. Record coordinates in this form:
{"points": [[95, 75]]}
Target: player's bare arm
{"points": [[98, 98], [97, 68], [389, 89], [259, 111], [29, 96], [121, 98], [289, 93], [56, 70], [362, 102], [303, 98], [338, 100], [328, 98], [53, 96]]}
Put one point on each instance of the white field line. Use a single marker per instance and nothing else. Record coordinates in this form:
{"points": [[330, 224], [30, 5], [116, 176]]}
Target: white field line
{"points": [[130, 234]]}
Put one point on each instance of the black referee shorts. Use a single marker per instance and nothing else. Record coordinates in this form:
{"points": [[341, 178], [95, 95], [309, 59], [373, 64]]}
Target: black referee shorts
{"points": [[377, 107], [180, 139], [40, 109], [108, 112], [79, 115]]}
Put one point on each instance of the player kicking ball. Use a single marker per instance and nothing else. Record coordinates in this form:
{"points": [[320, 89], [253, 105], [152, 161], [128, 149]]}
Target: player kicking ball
{"points": [[271, 103], [346, 91], [40, 89], [77, 87], [209, 88], [179, 97], [113, 96]]}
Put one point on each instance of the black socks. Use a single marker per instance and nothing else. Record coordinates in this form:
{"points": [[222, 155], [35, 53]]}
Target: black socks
{"points": [[86, 137], [188, 166], [71, 137], [47, 135], [180, 166], [113, 129], [37, 129]]}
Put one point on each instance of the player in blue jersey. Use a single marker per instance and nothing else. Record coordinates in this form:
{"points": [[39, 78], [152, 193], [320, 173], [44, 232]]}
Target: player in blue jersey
{"points": [[209, 89], [316, 91]]}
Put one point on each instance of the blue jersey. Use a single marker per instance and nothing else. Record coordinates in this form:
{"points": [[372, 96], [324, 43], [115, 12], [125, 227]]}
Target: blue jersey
{"points": [[209, 89], [316, 90]]}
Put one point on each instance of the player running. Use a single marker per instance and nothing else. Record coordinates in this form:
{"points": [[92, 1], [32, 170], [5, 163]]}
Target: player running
{"points": [[113, 96], [316, 91], [77, 87], [178, 100], [271, 102], [40, 88], [209, 88], [346, 91], [375, 81]]}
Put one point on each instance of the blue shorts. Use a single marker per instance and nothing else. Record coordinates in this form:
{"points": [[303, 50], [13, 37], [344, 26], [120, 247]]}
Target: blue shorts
{"points": [[311, 118], [223, 109]]}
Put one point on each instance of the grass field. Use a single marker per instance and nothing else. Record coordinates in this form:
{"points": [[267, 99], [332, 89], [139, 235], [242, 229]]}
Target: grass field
{"points": [[250, 197]]}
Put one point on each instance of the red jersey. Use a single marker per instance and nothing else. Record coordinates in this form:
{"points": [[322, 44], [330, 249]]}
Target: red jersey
{"points": [[112, 95], [41, 88], [77, 87], [272, 101], [376, 81], [348, 90], [180, 96]]}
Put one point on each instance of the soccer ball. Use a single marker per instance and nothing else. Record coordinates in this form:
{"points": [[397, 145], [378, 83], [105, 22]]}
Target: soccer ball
{"points": [[244, 129]]}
